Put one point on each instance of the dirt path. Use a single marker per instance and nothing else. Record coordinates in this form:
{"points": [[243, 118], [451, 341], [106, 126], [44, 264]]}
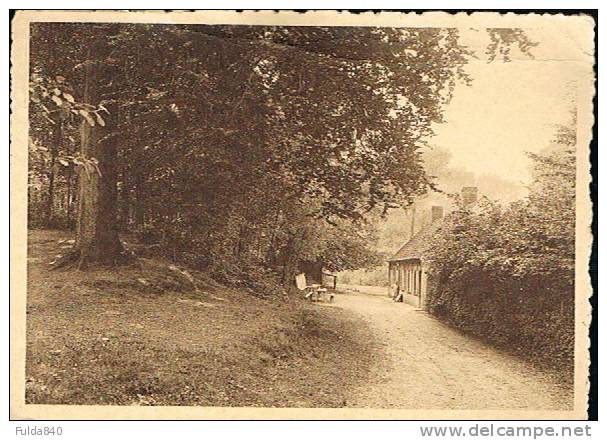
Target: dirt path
{"points": [[428, 365]]}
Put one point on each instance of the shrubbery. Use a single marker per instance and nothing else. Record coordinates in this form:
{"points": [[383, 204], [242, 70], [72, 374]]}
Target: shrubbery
{"points": [[507, 273]]}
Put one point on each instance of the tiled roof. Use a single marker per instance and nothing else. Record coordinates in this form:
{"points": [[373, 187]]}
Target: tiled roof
{"points": [[416, 246]]}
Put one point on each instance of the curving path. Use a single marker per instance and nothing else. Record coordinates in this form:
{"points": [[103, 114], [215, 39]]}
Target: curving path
{"points": [[428, 365]]}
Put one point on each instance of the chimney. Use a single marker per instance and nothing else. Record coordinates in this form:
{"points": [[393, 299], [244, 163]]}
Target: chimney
{"points": [[437, 213], [469, 195]]}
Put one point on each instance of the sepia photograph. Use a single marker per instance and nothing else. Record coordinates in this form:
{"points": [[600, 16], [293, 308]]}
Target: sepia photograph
{"points": [[269, 215]]}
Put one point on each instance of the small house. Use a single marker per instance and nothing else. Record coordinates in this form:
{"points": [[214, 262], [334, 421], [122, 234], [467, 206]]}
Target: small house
{"points": [[407, 268]]}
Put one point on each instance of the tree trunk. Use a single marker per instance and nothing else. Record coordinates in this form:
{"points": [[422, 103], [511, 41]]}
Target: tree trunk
{"points": [[97, 240], [271, 253], [292, 255], [124, 203], [68, 198], [139, 209], [50, 197]]}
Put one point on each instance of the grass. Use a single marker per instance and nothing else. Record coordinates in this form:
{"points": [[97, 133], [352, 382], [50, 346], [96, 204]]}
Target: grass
{"points": [[140, 335]]}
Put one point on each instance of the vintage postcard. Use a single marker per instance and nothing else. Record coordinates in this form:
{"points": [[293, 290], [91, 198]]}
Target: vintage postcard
{"points": [[281, 215]]}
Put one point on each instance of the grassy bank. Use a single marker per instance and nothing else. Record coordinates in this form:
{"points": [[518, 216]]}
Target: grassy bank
{"points": [[140, 335]]}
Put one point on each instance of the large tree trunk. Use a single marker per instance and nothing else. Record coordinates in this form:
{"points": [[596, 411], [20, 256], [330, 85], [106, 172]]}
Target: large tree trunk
{"points": [[97, 240]]}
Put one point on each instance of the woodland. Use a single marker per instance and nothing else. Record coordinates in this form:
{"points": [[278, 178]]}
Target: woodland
{"points": [[243, 151]]}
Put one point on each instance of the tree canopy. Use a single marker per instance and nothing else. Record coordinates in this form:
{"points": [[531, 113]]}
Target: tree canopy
{"points": [[227, 143]]}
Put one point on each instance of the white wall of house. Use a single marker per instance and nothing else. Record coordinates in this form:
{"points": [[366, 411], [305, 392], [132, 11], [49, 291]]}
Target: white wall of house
{"points": [[411, 277]]}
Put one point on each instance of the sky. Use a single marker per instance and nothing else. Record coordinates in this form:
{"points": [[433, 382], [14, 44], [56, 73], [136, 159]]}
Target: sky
{"points": [[511, 107]]}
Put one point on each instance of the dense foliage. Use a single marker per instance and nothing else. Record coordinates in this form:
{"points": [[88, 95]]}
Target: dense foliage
{"points": [[236, 149], [239, 147], [507, 273]]}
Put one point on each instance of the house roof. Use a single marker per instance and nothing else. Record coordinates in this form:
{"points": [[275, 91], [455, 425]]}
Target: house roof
{"points": [[417, 245]]}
